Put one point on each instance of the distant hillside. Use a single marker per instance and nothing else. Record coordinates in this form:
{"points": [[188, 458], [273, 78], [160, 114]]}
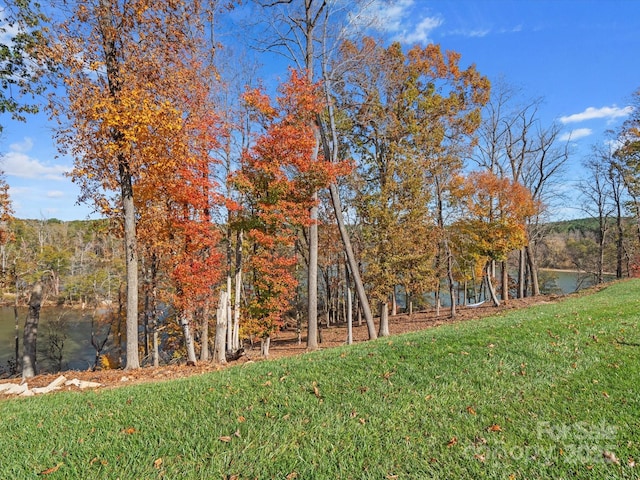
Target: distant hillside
{"points": [[573, 244]]}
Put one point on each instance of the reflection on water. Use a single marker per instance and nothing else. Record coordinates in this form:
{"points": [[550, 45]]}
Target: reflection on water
{"points": [[73, 326], [561, 281]]}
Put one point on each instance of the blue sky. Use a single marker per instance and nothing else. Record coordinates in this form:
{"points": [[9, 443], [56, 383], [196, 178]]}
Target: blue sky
{"points": [[581, 56]]}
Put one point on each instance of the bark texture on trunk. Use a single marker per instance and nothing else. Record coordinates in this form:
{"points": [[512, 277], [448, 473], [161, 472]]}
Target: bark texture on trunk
{"points": [[491, 288], [265, 343], [533, 271], [219, 352], [185, 321], [384, 319], [505, 281], [29, 364], [131, 262]]}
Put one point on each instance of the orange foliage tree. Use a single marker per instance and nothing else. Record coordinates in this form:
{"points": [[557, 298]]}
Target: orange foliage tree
{"points": [[494, 224], [277, 181], [129, 68]]}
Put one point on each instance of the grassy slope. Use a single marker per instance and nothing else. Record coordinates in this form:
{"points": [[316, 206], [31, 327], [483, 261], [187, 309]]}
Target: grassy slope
{"points": [[538, 393]]}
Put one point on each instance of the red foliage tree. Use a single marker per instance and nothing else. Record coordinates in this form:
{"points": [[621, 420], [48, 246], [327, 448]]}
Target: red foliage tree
{"points": [[277, 180]]}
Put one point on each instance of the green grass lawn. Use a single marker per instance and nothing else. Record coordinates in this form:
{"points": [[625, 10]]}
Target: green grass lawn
{"points": [[548, 392]]}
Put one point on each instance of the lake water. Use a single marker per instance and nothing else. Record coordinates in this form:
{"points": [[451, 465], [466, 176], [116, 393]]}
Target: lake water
{"points": [[561, 281], [78, 354]]}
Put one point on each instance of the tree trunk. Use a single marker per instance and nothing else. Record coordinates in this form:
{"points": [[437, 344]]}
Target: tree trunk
{"points": [[156, 353], [229, 314], [452, 284], [185, 322], [394, 303], [204, 335], [219, 352], [521, 272], [131, 252], [29, 365], [349, 317], [363, 301], [619, 242], [384, 319], [238, 292], [533, 272], [112, 66], [312, 279], [265, 343], [17, 323], [492, 290], [354, 269], [505, 281]]}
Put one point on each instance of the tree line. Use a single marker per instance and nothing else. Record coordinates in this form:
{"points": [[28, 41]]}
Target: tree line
{"points": [[371, 169]]}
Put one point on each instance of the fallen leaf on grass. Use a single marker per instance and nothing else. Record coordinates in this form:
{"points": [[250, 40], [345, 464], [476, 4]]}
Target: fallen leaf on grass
{"points": [[605, 394], [316, 391], [292, 475], [479, 441], [631, 462], [51, 470], [452, 442], [392, 477], [479, 457], [157, 463], [471, 410], [388, 375], [129, 431], [610, 457], [225, 438], [241, 419], [494, 428]]}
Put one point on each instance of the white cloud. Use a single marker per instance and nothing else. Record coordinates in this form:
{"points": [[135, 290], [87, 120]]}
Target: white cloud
{"points": [[422, 32], [576, 134], [591, 113], [477, 33], [17, 163], [25, 146], [397, 19]]}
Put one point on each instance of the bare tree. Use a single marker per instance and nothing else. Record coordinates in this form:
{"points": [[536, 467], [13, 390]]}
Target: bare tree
{"points": [[597, 202], [514, 143]]}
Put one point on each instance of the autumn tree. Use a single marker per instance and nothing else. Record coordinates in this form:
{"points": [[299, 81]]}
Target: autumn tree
{"points": [[6, 235], [494, 222], [627, 156], [278, 179], [408, 118], [126, 67], [308, 33]]}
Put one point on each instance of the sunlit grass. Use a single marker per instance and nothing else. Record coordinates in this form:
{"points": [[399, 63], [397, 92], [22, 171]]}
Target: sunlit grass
{"points": [[548, 392]]}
